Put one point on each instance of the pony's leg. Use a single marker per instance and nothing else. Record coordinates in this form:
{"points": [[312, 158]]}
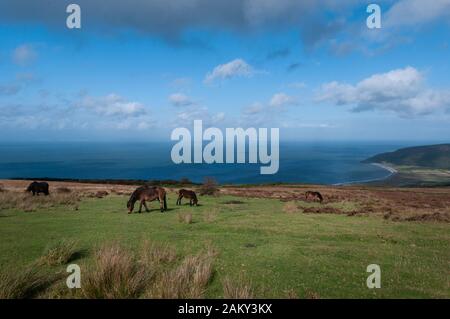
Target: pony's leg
{"points": [[190, 202], [161, 204], [140, 207], [179, 198], [145, 205]]}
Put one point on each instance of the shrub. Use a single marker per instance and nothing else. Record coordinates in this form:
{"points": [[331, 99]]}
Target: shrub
{"points": [[209, 186]]}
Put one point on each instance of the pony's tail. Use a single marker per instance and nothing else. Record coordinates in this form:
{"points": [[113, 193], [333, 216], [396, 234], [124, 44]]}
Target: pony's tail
{"points": [[165, 202]]}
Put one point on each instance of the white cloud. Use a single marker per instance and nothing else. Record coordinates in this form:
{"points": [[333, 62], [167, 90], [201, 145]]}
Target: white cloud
{"points": [[112, 105], [110, 112], [402, 91], [415, 12], [188, 115], [282, 99], [255, 108], [180, 99], [24, 55], [235, 68], [269, 112], [297, 124]]}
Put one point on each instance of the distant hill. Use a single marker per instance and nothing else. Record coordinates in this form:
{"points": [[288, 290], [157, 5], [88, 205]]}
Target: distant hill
{"points": [[431, 156]]}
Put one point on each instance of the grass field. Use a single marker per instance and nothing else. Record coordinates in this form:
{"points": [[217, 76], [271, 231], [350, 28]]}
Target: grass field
{"points": [[271, 247]]}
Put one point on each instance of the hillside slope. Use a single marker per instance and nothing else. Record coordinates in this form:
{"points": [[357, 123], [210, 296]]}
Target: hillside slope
{"points": [[431, 156]]}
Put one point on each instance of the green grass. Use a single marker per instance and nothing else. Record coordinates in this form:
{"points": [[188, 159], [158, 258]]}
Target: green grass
{"points": [[277, 252]]}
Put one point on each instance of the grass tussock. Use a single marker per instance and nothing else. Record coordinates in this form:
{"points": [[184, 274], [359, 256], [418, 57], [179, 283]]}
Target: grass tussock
{"points": [[28, 203], [26, 283], [290, 294], [312, 295], [188, 280], [185, 218], [115, 275], [237, 289], [59, 253], [157, 255], [153, 272]]}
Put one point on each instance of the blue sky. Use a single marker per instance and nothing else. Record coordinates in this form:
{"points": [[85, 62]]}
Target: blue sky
{"points": [[138, 69]]}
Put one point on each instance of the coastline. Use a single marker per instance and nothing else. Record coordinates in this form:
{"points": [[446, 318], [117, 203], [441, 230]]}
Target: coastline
{"points": [[386, 167], [392, 171], [169, 182]]}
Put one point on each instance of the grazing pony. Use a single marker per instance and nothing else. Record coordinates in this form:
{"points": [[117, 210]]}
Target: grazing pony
{"points": [[188, 194], [145, 193], [38, 187], [314, 196]]}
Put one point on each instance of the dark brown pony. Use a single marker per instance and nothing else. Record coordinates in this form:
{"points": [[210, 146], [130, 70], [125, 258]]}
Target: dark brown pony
{"points": [[188, 194], [314, 196], [147, 194], [38, 187]]}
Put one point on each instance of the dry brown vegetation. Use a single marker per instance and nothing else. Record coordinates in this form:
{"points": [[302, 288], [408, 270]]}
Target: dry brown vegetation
{"points": [[63, 190], [59, 253], [209, 187], [28, 203], [188, 280], [26, 283], [237, 288], [397, 204], [185, 218], [153, 273], [116, 274]]}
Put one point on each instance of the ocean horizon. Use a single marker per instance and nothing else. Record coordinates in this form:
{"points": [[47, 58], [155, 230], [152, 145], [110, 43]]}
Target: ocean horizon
{"points": [[300, 162]]}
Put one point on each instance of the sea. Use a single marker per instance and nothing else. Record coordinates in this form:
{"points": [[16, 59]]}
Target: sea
{"points": [[300, 162]]}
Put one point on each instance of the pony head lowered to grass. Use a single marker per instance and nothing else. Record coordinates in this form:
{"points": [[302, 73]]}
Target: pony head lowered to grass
{"points": [[147, 194]]}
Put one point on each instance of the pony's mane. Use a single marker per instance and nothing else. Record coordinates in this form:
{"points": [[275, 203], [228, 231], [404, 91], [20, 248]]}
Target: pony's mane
{"points": [[134, 195]]}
